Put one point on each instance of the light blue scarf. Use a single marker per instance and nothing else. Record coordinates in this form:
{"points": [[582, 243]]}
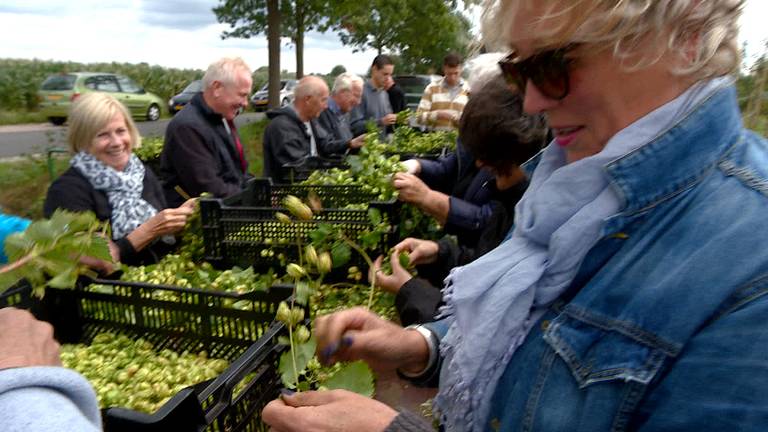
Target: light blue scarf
{"points": [[494, 301]]}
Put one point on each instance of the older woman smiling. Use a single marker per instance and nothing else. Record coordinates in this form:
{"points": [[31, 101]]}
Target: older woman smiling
{"points": [[632, 291], [109, 180]]}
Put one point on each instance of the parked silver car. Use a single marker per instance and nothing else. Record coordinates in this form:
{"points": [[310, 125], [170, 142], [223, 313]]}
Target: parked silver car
{"points": [[259, 100]]}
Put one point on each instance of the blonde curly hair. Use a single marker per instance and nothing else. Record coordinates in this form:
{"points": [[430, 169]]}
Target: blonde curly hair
{"points": [[703, 33]]}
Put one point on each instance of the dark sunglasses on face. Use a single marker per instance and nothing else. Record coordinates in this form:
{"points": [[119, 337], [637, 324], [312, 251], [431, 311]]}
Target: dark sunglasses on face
{"points": [[547, 70]]}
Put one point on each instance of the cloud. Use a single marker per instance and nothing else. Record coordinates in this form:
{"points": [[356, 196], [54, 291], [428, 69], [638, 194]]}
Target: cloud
{"points": [[178, 14]]}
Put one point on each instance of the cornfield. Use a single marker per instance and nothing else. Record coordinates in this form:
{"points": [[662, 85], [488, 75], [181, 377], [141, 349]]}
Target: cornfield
{"points": [[20, 79]]}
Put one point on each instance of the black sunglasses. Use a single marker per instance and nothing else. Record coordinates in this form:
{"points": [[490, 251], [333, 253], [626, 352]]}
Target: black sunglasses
{"points": [[547, 70]]}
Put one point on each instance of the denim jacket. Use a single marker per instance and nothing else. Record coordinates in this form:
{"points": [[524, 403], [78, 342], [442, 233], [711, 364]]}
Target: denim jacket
{"points": [[665, 325]]}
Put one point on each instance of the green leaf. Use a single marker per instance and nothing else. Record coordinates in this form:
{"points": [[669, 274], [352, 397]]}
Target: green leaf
{"points": [[370, 239], [99, 248], [374, 215], [304, 353], [41, 233], [340, 254], [320, 234], [303, 291], [356, 377], [66, 279], [8, 280], [17, 245]]}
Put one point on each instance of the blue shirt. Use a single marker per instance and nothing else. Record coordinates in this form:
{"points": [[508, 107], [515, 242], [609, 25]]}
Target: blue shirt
{"points": [[10, 225]]}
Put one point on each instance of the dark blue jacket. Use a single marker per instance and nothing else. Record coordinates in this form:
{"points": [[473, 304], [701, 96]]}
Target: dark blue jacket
{"points": [[470, 190]]}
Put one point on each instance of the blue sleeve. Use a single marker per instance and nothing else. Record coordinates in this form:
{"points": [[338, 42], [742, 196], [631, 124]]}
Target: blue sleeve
{"points": [[465, 215], [10, 225], [439, 174], [44, 398], [718, 381]]}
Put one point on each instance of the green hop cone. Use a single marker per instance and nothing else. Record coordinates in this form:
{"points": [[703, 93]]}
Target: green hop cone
{"points": [[324, 263], [302, 334], [297, 314], [295, 271], [404, 259], [311, 255], [284, 313], [297, 208], [283, 218]]}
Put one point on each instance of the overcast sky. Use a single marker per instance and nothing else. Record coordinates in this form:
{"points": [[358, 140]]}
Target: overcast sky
{"points": [[185, 34]]}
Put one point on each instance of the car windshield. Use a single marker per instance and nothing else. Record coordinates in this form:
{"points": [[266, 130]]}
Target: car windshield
{"points": [[59, 82], [194, 87]]}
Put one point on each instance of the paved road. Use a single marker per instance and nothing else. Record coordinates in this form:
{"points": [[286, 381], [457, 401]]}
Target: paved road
{"points": [[17, 140]]}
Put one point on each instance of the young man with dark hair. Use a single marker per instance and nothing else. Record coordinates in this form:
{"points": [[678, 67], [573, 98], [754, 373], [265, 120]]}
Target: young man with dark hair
{"points": [[375, 102], [443, 100]]}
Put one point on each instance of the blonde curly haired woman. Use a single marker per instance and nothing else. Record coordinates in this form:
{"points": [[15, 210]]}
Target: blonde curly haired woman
{"points": [[631, 293]]}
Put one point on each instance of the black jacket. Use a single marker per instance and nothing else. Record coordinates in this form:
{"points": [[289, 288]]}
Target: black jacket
{"points": [[286, 141], [72, 191], [199, 155], [418, 299]]}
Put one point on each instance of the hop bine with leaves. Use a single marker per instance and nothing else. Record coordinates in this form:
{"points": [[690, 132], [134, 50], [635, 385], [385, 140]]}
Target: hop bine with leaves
{"points": [[49, 251], [298, 367]]}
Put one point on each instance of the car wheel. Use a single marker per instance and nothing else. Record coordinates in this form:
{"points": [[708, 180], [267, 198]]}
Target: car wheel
{"points": [[153, 113], [58, 121], [284, 102]]}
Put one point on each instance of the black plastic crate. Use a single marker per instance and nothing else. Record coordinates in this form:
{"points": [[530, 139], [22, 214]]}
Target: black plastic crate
{"points": [[180, 319], [262, 192], [299, 171], [238, 228]]}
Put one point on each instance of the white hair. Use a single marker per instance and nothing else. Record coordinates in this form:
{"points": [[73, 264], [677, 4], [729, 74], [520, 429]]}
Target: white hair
{"points": [[224, 71], [483, 69], [345, 81]]}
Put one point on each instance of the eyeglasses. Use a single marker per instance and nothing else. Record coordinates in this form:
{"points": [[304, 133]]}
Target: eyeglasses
{"points": [[547, 70]]}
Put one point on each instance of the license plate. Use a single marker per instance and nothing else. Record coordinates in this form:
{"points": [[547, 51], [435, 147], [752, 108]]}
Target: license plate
{"points": [[261, 102], [54, 97], [178, 107]]}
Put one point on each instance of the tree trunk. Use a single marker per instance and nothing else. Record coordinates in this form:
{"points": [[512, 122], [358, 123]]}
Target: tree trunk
{"points": [[273, 44], [299, 42]]}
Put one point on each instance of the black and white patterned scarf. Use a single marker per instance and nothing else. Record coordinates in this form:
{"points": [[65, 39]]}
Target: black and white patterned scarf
{"points": [[123, 189]]}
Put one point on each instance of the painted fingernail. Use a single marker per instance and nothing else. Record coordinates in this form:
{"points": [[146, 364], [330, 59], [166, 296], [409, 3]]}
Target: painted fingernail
{"points": [[286, 392], [347, 341], [329, 351]]}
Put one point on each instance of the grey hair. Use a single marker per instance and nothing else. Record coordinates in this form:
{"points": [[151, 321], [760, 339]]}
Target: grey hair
{"points": [[483, 69], [345, 81], [702, 33], [224, 70], [310, 85]]}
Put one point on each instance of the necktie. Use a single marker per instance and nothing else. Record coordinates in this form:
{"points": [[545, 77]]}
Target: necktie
{"points": [[238, 145]]}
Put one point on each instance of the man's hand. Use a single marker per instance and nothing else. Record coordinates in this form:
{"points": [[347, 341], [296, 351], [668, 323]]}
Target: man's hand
{"points": [[390, 283], [357, 142], [388, 119], [335, 410], [25, 341], [446, 115], [419, 251], [410, 188], [358, 334]]}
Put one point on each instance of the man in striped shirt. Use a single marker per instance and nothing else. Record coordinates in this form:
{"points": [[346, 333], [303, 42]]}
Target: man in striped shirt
{"points": [[443, 100]]}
